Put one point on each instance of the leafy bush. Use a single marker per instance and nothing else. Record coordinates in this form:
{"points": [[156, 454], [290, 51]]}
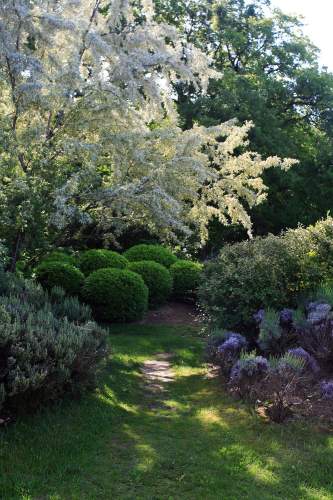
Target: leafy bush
{"points": [[92, 260], [156, 277], [60, 256], [266, 272], [116, 295], [186, 278], [157, 253], [59, 274], [43, 354]]}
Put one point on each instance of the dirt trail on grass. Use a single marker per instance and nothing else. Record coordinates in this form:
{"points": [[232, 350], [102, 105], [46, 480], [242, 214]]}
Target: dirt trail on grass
{"points": [[157, 374], [173, 313]]}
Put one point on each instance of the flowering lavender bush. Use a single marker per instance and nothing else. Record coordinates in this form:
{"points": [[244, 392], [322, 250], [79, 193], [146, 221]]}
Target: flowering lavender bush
{"points": [[309, 361], [317, 339], [259, 316], [327, 389], [286, 317], [229, 351], [246, 371], [318, 312]]}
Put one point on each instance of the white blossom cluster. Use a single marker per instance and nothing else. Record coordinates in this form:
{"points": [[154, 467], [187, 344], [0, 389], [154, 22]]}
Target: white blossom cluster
{"points": [[88, 121]]}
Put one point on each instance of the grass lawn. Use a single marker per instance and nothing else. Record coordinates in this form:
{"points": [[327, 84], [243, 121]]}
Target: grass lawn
{"points": [[203, 445]]}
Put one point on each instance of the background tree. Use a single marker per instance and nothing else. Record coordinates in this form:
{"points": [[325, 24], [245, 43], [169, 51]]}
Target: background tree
{"points": [[270, 76], [90, 134]]}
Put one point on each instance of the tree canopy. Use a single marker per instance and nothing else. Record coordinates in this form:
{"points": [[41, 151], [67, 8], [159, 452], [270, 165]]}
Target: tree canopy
{"points": [[90, 132], [271, 76]]}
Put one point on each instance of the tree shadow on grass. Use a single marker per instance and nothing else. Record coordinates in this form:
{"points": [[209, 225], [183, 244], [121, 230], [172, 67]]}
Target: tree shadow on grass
{"points": [[199, 445]]}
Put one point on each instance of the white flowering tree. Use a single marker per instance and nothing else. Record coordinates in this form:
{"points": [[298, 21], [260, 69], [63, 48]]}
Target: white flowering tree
{"points": [[89, 130]]}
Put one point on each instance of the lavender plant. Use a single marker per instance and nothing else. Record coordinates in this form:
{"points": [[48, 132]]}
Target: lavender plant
{"points": [[309, 361], [47, 346], [246, 372], [326, 388], [229, 351]]}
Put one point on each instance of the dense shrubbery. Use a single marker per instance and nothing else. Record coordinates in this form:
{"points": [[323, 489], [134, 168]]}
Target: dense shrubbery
{"points": [[266, 272], [294, 348], [52, 273], [186, 278], [60, 256], [48, 344], [156, 277], [157, 253], [92, 260], [116, 295]]}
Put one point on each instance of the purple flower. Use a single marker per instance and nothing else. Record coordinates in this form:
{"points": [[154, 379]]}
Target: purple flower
{"points": [[249, 367], [259, 316], [327, 389], [318, 312], [310, 361], [233, 342], [286, 317]]}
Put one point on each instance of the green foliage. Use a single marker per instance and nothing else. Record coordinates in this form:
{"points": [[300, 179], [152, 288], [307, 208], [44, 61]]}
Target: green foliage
{"points": [[45, 348], [266, 272], [270, 332], [271, 76], [92, 260], [156, 277], [116, 295], [59, 274], [186, 278], [157, 253], [60, 256]]}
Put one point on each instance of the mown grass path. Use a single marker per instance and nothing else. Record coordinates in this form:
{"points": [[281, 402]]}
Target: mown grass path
{"points": [[196, 443]]}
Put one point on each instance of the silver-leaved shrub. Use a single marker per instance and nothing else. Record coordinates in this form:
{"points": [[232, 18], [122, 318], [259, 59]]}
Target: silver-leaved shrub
{"points": [[49, 345]]}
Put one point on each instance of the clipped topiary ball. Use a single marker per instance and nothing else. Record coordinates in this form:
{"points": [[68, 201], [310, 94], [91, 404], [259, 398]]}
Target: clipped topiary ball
{"points": [[156, 277], [116, 295], [186, 278], [60, 256], [157, 253], [92, 260], [51, 274]]}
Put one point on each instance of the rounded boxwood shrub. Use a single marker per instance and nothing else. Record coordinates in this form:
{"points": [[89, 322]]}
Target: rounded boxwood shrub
{"points": [[157, 253], [60, 256], [116, 295], [92, 260], [186, 278], [51, 274], [156, 277]]}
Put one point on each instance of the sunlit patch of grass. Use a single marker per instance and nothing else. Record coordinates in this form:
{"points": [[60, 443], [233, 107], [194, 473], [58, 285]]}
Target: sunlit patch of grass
{"points": [[196, 443], [264, 475]]}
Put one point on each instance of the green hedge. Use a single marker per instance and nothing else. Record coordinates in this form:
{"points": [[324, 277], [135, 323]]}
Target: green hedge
{"points": [[92, 260], [186, 278], [116, 295], [60, 256], [156, 253], [156, 277], [59, 274]]}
